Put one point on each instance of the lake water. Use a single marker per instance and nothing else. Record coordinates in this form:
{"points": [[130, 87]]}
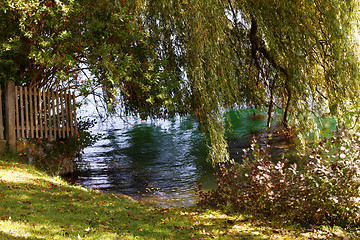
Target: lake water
{"points": [[158, 162]]}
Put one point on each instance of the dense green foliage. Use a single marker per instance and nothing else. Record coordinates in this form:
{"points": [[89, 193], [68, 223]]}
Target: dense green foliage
{"points": [[160, 58], [322, 188], [84, 45], [298, 56]]}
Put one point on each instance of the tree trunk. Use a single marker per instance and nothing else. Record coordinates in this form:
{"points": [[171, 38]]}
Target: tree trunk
{"points": [[286, 111]]}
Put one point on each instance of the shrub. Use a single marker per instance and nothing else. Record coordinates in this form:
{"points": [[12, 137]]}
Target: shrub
{"points": [[322, 188], [48, 156]]}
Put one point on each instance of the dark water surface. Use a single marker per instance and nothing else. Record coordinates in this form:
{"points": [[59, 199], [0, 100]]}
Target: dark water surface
{"points": [[158, 161]]}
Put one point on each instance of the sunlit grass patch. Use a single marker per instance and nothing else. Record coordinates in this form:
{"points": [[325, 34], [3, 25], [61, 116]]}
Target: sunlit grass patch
{"points": [[7, 228]]}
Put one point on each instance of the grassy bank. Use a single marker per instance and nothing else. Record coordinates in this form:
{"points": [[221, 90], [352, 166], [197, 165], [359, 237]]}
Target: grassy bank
{"points": [[34, 205]]}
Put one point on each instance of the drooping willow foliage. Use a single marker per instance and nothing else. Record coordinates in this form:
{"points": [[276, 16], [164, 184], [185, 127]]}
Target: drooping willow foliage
{"points": [[159, 58], [297, 56]]}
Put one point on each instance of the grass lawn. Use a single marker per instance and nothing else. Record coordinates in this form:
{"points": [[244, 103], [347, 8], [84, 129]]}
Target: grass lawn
{"points": [[34, 205]]}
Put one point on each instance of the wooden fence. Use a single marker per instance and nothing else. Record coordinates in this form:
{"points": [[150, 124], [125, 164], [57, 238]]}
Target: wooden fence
{"points": [[36, 113]]}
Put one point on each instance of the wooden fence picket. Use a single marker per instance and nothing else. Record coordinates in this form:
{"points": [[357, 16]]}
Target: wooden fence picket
{"points": [[69, 121], [26, 119], [48, 112], [21, 114], [74, 115], [46, 129], [41, 113], [17, 123]]}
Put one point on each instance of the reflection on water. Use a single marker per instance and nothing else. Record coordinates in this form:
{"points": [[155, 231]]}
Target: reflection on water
{"points": [[149, 161]]}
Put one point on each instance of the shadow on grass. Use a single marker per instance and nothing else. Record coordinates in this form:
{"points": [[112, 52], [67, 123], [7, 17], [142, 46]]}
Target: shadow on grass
{"points": [[35, 206]]}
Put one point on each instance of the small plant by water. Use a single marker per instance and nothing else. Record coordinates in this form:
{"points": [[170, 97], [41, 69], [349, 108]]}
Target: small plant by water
{"points": [[49, 156]]}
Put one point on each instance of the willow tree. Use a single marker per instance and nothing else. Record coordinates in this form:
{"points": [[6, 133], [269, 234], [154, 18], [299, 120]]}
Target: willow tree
{"points": [[297, 56]]}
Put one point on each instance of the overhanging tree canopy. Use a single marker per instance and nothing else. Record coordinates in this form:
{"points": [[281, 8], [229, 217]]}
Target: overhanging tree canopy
{"points": [[85, 45], [158, 58], [298, 56]]}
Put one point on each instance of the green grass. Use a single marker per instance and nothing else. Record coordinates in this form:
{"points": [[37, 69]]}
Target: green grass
{"points": [[34, 205]]}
